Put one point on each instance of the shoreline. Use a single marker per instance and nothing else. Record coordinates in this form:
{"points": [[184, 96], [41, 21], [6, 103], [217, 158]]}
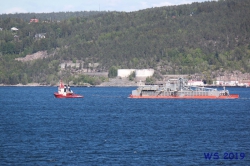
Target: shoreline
{"points": [[27, 85], [39, 85]]}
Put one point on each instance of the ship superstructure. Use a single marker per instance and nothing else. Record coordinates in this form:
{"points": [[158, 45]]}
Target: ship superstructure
{"points": [[179, 89]]}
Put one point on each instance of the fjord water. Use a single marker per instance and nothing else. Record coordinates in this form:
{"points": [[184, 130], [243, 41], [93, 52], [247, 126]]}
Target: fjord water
{"points": [[108, 128]]}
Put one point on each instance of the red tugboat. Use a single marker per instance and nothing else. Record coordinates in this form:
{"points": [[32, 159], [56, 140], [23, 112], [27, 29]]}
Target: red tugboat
{"points": [[178, 89], [64, 91]]}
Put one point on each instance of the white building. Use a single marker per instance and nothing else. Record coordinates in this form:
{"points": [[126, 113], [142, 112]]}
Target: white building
{"points": [[195, 83], [40, 36], [226, 83], [94, 65], [231, 83], [14, 29], [69, 64]]}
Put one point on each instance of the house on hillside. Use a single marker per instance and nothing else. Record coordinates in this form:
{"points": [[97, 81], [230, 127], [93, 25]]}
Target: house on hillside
{"points": [[195, 83], [93, 65], [40, 36], [16, 38], [70, 64], [14, 29], [34, 20]]}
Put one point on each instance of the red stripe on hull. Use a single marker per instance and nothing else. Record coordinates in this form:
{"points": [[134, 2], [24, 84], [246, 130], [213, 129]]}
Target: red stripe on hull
{"points": [[57, 95], [232, 96]]}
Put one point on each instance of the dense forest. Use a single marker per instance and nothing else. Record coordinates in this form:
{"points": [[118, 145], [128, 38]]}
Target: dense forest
{"points": [[184, 39]]}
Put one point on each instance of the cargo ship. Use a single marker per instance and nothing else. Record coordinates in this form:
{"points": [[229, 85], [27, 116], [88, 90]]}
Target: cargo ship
{"points": [[179, 89], [64, 91]]}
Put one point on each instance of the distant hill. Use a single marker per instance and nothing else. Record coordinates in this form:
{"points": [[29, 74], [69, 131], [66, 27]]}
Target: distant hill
{"points": [[185, 39]]}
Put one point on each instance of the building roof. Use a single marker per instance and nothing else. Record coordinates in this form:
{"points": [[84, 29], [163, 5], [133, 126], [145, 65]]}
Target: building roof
{"points": [[14, 29], [34, 20]]}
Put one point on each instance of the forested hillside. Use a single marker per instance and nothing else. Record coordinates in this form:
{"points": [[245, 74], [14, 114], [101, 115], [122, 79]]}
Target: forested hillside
{"points": [[185, 39], [54, 17]]}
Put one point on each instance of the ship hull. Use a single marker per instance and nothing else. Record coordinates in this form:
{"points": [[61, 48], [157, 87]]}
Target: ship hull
{"points": [[232, 96], [57, 95]]}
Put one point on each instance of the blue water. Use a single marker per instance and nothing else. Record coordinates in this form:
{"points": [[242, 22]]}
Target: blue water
{"points": [[108, 128]]}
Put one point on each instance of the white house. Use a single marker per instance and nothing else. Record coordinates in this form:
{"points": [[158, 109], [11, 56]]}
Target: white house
{"points": [[14, 29], [195, 83], [40, 35], [226, 83]]}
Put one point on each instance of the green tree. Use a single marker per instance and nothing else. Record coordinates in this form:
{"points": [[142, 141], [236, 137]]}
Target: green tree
{"points": [[24, 79], [149, 80], [112, 72], [132, 76]]}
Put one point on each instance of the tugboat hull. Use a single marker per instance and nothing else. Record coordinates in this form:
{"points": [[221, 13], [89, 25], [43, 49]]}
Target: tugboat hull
{"points": [[57, 95]]}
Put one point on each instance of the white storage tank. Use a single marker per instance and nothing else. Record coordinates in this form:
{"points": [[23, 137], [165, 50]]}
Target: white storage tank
{"points": [[144, 72], [124, 72]]}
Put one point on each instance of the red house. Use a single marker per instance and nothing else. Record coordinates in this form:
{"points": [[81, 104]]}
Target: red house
{"points": [[34, 20]]}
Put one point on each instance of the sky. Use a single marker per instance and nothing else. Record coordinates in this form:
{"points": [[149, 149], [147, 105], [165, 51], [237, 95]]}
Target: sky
{"points": [[48, 6]]}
